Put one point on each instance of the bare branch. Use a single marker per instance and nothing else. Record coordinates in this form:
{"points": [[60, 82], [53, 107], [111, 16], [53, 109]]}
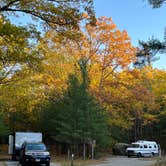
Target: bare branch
{"points": [[4, 8]]}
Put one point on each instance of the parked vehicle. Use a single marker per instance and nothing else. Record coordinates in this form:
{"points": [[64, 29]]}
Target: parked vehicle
{"points": [[143, 148], [34, 153], [27, 147], [16, 140]]}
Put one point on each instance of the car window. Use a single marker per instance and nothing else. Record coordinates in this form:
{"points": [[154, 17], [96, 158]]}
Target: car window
{"points": [[155, 146], [35, 147], [150, 147], [145, 146]]}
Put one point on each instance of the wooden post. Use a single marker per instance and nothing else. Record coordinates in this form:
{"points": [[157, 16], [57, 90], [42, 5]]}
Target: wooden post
{"points": [[93, 145], [72, 160], [84, 152], [68, 154], [92, 151]]}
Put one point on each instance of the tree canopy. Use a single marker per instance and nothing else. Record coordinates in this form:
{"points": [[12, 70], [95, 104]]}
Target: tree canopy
{"points": [[85, 88], [58, 14], [148, 52], [77, 116], [156, 3], [17, 49]]}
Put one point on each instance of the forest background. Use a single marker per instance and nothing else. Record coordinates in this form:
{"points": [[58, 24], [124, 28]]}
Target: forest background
{"points": [[78, 78]]}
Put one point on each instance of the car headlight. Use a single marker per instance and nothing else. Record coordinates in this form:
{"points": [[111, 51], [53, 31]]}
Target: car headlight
{"points": [[46, 153], [28, 153]]}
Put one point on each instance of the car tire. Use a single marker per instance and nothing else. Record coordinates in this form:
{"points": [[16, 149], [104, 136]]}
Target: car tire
{"points": [[13, 157], [139, 155], [153, 154], [23, 163], [48, 164]]}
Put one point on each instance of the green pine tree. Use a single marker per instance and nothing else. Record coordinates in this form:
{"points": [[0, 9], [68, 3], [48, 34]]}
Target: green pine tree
{"points": [[4, 130], [77, 118]]}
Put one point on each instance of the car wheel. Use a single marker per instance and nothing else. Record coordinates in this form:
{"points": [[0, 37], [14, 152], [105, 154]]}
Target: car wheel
{"points": [[139, 155], [13, 157], [48, 164], [153, 154], [23, 163]]}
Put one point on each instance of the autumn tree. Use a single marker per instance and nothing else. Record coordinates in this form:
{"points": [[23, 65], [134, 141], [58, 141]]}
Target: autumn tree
{"points": [[106, 51], [156, 129], [105, 48], [19, 52], [20, 101], [146, 96], [59, 14], [16, 41], [16, 50]]}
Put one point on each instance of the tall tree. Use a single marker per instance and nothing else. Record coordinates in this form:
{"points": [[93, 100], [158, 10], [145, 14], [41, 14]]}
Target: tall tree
{"points": [[106, 51], [77, 118], [105, 47]]}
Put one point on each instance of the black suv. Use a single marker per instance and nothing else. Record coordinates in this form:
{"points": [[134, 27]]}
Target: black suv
{"points": [[34, 153]]}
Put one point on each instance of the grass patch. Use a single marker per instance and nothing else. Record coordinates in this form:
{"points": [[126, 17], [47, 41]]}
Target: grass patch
{"points": [[161, 162], [77, 162]]}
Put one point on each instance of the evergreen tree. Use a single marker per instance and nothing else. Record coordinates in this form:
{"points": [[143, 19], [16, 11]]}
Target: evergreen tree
{"points": [[4, 130], [148, 51], [77, 118], [156, 3]]}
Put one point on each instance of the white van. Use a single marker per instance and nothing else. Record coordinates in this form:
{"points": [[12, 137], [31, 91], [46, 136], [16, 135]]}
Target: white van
{"points": [[143, 148]]}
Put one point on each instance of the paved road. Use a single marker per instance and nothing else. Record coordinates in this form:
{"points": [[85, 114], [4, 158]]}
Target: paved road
{"points": [[14, 163], [112, 161], [124, 161]]}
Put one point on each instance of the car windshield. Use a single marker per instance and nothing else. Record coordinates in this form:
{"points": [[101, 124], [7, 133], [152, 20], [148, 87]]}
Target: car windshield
{"points": [[135, 145], [35, 147]]}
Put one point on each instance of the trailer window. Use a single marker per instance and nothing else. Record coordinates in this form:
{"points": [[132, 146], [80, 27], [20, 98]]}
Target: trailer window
{"points": [[145, 146]]}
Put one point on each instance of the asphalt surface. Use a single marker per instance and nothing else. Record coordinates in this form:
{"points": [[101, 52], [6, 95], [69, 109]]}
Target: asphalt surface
{"points": [[14, 163], [111, 161], [125, 161]]}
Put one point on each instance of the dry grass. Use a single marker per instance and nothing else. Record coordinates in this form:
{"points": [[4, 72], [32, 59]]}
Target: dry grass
{"points": [[161, 162], [2, 164], [4, 157], [77, 162]]}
